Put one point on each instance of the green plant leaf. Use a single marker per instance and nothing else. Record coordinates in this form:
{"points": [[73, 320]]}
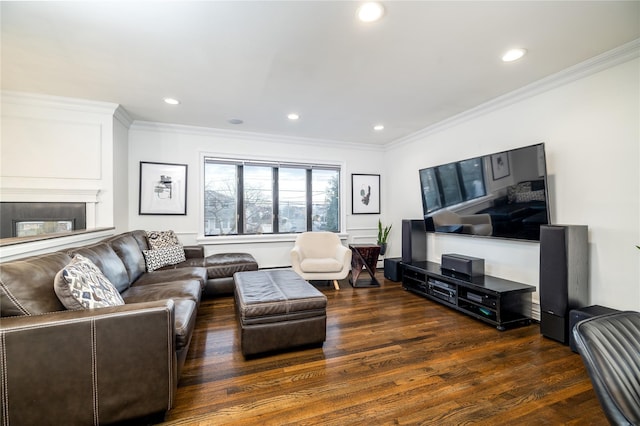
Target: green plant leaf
{"points": [[383, 232]]}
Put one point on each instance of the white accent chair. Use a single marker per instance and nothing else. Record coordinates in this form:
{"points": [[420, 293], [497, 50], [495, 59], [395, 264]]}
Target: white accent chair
{"points": [[321, 256]]}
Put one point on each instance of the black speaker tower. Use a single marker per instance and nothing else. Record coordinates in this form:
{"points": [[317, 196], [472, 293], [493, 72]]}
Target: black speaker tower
{"points": [[414, 241], [564, 276]]}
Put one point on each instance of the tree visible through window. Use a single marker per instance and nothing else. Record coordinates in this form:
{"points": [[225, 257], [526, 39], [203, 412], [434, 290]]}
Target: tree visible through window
{"points": [[242, 197]]}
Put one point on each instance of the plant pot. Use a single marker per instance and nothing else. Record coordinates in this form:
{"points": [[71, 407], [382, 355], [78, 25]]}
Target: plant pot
{"points": [[383, 248]]}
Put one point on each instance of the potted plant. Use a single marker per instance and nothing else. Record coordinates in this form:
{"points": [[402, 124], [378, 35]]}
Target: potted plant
{"points": [[383, 234]]}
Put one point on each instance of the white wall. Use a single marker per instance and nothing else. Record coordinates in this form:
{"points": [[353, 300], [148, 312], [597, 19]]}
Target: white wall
{"points": [[121, 172], [55, 145], [58, 150], [186, 145], [591, 129]]}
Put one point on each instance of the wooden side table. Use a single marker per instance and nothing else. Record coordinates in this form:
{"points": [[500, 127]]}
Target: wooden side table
{"points": [[364, 255]]}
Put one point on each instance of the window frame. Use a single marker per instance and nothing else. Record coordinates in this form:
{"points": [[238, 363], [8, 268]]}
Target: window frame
{"points": [[338, 166]]}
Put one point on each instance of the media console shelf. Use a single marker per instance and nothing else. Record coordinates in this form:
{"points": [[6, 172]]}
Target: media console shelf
{"points": [[499, 302]]}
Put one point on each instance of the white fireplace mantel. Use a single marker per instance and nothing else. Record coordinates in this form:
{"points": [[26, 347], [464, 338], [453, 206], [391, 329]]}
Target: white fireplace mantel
{"points": [[55, 195], [49, 195]]}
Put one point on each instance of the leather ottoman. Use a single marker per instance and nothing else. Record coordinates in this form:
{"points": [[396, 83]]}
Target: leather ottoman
{"points": [[278, 310]]}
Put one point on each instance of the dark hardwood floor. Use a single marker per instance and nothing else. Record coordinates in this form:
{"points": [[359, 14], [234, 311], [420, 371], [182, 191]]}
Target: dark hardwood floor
{"points": [[390, 357]]}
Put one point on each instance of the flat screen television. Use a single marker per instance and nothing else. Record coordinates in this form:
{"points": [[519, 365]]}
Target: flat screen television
{"points": [[500, 195]]}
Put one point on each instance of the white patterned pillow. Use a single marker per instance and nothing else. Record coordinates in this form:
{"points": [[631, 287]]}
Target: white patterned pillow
{"points": [[162, 239], [82, 285], [156, 259]]}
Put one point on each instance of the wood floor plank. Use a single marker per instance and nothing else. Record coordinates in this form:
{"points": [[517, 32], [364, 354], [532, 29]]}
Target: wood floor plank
{"points": [[390, 357]]}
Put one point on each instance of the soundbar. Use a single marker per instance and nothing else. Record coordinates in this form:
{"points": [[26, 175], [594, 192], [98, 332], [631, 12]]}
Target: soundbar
{"points": [[467, 265]]}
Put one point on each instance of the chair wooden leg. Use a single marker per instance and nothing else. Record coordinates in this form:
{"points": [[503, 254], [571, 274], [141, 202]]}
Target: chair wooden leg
{"points": [[335, 284]]}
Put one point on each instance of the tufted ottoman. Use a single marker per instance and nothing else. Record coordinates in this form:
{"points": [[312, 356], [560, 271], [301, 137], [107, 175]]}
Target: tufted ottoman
{"points": [[277, 309]]}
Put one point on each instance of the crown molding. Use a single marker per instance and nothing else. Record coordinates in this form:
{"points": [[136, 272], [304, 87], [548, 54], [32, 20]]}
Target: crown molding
{"points": [[252, 136], [609, 59], [123, 117], [58, 102]]}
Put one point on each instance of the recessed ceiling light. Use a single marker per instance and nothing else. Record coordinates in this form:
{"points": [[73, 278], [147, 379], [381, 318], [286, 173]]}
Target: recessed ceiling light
{"points": [[513, 55], [370, 11], [378, 127], [235, 121], [171, 101], [293, 116]]}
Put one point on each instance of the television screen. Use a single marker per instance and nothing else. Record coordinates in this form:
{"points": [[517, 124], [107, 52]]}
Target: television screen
{"points": [[499, 195]]}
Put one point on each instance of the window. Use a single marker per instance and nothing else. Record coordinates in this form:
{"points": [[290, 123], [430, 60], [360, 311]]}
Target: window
{"points": [[244, 197]]}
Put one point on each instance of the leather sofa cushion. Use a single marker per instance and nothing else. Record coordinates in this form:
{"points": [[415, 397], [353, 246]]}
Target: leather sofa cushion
{"points": [[221, 265], [185, 320], [26, 286], [105, 258], [188, 289], [129, 252], [141, 238], [178, 274]]}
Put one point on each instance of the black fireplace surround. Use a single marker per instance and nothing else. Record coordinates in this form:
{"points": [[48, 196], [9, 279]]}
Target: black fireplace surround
{"points": [[11, 213]]}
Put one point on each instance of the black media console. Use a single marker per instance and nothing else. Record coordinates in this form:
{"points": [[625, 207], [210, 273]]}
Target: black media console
{"points": [[499, 302]]}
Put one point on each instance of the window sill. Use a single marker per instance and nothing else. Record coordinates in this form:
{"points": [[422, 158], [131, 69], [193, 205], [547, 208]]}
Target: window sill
{"points": [[252, 239]]}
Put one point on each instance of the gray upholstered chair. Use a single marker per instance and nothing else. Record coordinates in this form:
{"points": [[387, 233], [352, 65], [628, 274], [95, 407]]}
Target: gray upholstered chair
{"points": [[321, 256], [610, 349]]}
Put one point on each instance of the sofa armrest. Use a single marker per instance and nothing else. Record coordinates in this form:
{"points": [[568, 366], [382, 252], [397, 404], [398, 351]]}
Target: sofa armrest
{"points": [[194, 251], [90, 366]]}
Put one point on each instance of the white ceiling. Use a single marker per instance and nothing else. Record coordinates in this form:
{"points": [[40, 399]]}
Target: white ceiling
{"points": [[259, 60]]}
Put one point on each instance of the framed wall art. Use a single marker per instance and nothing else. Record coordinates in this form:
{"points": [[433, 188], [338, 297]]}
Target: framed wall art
{"points": [[163, 188], [365, 194], [500, 165]]}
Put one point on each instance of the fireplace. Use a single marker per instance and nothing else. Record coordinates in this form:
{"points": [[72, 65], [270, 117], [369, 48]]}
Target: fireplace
{"points": [[18, 219]]}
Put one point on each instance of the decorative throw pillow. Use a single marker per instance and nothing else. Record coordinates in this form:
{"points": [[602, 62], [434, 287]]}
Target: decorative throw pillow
{"points": [[156, 259], [525, 197], [82, 285], [162, 239]]}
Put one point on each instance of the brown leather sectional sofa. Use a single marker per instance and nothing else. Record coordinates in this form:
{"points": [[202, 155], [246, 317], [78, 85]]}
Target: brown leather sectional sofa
{"points": [[106, 365]]}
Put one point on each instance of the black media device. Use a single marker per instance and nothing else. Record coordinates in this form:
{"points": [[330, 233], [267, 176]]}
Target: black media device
{"points": [[467, 265], [442, 290]]}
